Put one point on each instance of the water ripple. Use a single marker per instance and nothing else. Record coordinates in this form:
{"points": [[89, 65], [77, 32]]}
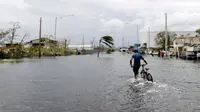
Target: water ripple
{"points": [[105, 84]]}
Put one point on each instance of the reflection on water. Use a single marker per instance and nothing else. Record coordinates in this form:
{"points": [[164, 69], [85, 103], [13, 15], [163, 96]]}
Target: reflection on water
{"points": [[105, 84]]}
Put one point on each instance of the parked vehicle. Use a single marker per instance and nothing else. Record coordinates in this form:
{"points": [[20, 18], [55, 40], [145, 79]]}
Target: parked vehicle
{"points": [[198, 55], [188, 55], [141, 52]]}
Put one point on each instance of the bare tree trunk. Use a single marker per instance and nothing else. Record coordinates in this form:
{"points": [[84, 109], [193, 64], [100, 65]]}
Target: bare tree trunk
{"points": [[12, 37], [23, 37], [13, 31]]}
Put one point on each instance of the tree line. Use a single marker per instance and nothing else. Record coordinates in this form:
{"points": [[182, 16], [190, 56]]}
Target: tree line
{"points": [[160, 38]]}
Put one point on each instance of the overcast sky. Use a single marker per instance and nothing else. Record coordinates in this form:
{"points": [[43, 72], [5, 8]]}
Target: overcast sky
{"points": [[95, 18]]}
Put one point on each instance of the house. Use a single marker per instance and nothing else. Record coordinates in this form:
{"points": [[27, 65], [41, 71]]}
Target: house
{"points": [[7, 43], [45, 42], [189, 43], [2, 45], [144, 36]]}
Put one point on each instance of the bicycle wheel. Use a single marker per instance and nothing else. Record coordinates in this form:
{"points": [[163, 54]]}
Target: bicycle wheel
{"points": [[149, 77], [143, 74]]}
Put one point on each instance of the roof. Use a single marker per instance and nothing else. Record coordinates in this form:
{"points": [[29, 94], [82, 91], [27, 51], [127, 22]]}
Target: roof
{"points": [[9, 42], [191, 45], [195, 45], [79, 45], [186, 37], [42, 39]]}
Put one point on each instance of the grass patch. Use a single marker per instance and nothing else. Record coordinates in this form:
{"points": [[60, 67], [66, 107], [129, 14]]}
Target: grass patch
{"points": [[10, 61]]}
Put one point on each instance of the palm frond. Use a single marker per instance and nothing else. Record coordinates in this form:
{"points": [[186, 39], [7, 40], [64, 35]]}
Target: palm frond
{"points": [[107, 44], [108, 41], [107, 38]]}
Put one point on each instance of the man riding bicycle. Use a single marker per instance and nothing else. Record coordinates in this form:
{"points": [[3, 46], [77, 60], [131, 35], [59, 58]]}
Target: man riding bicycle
{"points": [[136, 66]]}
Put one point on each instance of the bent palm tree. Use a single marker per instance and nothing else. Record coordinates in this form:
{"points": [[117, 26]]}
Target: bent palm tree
{"points": [[107, 40]]}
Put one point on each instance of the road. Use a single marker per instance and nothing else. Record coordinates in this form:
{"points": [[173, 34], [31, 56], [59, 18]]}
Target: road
{"points": [[90, 84]]}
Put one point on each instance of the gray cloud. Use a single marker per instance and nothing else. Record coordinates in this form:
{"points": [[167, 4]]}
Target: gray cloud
{"points": [[95, 18]]}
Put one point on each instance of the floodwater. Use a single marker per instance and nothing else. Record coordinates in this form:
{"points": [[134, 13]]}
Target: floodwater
{"points": [[105, 84]]}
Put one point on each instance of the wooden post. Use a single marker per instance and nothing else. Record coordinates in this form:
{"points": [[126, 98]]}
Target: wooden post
{"points": [[40, 37], [93, 42], [149, 39], [65, 46], [83, 43], [166, 35], [137, 38], [122, 41]]}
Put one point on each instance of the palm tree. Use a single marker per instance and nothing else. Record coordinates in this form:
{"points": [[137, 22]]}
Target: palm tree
{"points": [[107, 40]]}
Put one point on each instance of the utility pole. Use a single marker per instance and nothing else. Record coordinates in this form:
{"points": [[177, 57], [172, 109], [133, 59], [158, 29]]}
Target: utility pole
{"points": [[198, 52], [83, 42], [128, 43], [137, 39], [122, 41], [55, 27], [149, 38], [40, 37], [54, 50], [56, 20], [94, 42], [166, 35], [65, 45]]}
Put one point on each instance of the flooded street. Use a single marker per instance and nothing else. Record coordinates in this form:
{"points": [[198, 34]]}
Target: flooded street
{"points": [[105, 84]]}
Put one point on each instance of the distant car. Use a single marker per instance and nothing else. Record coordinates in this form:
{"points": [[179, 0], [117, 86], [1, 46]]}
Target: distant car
{"points": [[155, 53], [198, 55], [141, 52], [188, 55], [165, 53]]}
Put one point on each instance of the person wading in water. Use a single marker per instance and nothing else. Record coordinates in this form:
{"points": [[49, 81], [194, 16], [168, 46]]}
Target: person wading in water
{"points": [[136, 65]]}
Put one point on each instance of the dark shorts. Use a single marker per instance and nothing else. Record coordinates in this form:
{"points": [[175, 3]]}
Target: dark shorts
{"points": [[136, 70]]}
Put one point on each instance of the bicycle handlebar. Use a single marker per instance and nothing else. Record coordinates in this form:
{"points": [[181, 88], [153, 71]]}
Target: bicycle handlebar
{"points": [[143, 64]]}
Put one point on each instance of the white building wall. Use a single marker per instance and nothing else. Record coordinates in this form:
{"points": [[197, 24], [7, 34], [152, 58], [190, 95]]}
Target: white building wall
{"points": [[80, 47], [145, 39]]}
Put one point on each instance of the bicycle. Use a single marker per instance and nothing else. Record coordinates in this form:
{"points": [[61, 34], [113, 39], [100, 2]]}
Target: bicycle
{"points": [[145, 75]]}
